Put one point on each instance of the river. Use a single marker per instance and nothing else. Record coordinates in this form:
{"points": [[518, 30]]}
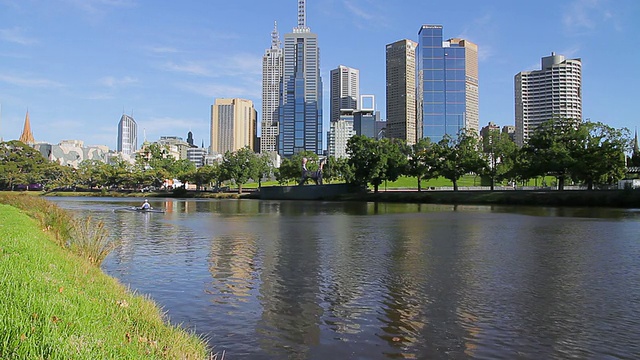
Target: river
{"points": [[332, 280]]}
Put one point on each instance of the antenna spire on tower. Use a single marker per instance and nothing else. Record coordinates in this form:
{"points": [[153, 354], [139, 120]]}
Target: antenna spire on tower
{"points": [[302, 16], [275, 36]]}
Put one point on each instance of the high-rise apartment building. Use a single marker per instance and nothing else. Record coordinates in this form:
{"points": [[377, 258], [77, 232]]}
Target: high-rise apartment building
{"points": [[401, 90], [272, 67], [300, 112], [340, 131], [447, 85], [233, 125], [345, 90], [127, 135], [554, 92]]}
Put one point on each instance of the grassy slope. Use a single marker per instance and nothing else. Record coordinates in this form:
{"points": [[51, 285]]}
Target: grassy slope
{"points": [[54, 305]]}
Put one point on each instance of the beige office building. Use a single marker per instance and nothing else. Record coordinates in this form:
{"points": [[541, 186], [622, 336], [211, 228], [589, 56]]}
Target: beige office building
{"points": [[233, 125], [401, 90]]}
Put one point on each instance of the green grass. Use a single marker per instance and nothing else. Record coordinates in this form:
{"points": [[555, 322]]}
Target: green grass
{"points": [[57, 305], [83, 236]]}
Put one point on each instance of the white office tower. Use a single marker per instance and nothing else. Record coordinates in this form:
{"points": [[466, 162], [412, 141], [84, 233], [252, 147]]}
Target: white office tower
{"points": [[554, 92], [340, 131], [127, 135], [272, 67], [345, 90]]}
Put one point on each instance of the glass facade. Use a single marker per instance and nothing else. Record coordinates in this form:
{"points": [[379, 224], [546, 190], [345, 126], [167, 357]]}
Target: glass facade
{"points": [[442, 85], [127, 135], [300, 112]]}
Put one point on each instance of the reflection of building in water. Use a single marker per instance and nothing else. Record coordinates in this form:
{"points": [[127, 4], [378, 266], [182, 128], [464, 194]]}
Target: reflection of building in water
{"points": [[290, 287], [347, 275], [232, 267]]}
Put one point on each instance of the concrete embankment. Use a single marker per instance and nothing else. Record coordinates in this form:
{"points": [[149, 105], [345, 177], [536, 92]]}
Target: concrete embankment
{"points": [[604, 198]]}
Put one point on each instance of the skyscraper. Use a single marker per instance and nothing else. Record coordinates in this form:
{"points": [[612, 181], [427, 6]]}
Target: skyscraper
{"points": [[233, 125], [300, 112], [340, 131], [345, 90], [447, 85], [127, 135], [272, 65], [555, 91], [401, 90]]}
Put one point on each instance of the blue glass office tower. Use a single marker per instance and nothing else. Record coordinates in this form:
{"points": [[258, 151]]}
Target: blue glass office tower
{"points": [[300, 110], [447, 85]]}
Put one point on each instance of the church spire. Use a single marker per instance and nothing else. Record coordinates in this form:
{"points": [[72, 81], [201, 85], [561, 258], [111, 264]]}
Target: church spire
{"points": [[27, 135]]}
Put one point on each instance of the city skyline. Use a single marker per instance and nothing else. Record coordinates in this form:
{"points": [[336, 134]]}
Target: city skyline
{"points": [[77, 66]]}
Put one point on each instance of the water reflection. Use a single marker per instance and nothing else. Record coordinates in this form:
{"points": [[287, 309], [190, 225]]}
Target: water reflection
{"points": [[270, 280]]}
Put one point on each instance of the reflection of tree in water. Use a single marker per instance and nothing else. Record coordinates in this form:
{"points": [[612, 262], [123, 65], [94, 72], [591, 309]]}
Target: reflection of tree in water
{"points": [[347, 274], [426, 313], [289, 293]]}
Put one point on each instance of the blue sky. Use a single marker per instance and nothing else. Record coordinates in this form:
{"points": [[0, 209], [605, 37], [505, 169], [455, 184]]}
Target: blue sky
{"points": [[76, 65]]}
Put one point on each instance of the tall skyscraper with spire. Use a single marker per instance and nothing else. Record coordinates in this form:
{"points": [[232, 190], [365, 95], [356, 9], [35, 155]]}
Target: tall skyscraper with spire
{"points": [[300, 111], [27, 135], [127, 135], [272, 66]]}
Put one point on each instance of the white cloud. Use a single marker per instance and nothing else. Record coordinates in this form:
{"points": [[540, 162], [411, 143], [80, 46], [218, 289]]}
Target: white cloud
{"points": [[16, 35], [587, 15], [96, 6], [30, 82], [364, 13], [241, 65], [212, 91], [189, 67], [162, 49], [358, 11], [113, 82]]}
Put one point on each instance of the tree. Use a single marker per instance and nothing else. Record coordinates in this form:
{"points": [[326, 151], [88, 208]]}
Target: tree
{"points": [[422, 161], [20, 164], [201, 176], [341, 170], [240, 166], [501, 152], [551, 149], [599, 154], [92, 173], [291, 168], [263, 168], [375, 161], [459, 156]]}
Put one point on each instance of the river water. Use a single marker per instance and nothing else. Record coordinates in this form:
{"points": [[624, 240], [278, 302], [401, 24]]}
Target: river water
{"points": [[331, 280]]}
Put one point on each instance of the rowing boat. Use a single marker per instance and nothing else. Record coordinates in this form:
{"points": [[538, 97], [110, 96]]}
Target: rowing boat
{"points": [[138, 209]]}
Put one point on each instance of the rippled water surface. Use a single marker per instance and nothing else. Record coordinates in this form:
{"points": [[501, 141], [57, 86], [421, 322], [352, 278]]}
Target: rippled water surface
{"points": [[314, 280]]}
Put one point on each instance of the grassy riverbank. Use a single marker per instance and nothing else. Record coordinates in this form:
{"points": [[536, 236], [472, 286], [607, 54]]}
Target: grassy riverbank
{"points": [[55, 304]]}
